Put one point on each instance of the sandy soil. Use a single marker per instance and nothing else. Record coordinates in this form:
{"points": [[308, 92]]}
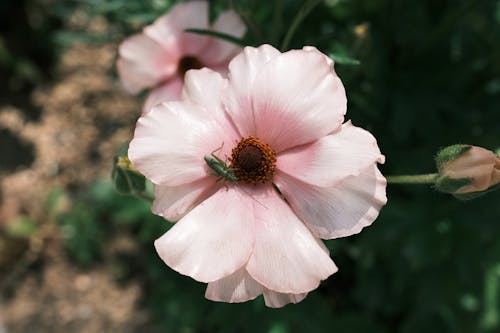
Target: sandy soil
{"points": [[85, 118]]}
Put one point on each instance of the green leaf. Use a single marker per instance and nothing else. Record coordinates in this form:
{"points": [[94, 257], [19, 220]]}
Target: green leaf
{"points": [[340, 54], [344, 59], [491, 319], [217, 34]]}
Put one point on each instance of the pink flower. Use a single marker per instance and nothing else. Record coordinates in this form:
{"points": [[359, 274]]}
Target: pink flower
{"points": [[161, 55], [277, 119]]}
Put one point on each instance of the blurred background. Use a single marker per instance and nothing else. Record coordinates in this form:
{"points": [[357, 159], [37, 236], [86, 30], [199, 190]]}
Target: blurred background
{"points": [[76, 256]]}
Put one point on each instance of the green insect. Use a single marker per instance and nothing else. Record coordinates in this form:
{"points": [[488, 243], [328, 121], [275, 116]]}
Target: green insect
{"points": [[224, 172], [220, 167]]}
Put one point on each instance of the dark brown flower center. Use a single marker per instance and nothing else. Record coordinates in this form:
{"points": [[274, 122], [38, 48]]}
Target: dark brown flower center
{"points": [[253, 161], [186, 63], [250, 158]]}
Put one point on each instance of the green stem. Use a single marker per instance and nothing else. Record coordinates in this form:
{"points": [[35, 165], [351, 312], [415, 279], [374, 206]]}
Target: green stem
{"points": [[301, 15], [277, 22], [412, 179]]}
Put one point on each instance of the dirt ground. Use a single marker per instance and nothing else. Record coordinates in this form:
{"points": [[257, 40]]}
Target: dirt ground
{"points": [[84, 118]]}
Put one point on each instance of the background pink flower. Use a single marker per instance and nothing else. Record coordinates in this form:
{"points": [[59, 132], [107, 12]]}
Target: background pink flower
{"points": [[277, 119], [161, 55]]}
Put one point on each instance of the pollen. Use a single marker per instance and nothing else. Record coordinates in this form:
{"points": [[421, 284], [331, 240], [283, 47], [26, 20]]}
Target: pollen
{"points": [[253, 161], [186, 63]]}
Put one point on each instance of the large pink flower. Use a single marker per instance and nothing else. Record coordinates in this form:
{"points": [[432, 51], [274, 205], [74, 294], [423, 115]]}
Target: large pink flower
{"points": [[277, 119], [161, 55]]}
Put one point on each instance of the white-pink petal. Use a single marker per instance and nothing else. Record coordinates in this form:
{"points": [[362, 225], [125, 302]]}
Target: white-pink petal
{"points": [[291, 99], [286, 256], [168, 30], [332, 158], [173, 202], [329, 61], [235, 288], [218, 50], [169, 91], [212, 241], [171, 141], [278, 300], [204, 87], [142, 63], [340, 210], [242, 72]]}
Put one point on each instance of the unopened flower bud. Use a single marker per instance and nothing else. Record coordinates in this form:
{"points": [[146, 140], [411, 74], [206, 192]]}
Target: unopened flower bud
{"points": [[465, 170], [127, 179]]}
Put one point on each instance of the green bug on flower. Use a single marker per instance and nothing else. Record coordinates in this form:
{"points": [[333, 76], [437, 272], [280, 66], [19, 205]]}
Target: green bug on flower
{"points": [[220, 167]]}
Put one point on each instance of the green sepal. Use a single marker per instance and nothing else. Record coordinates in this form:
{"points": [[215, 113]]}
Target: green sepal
{"points": [[450, 185], [450, 153], [125, 178], [473, 195]]}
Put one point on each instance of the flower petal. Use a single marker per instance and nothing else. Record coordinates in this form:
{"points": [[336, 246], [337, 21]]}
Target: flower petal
{"points": [[286, 257], [235, 288], [329, 61], [295, 98], [173, 202], [204, 88], [168, 30], [142, 63], [170, 91], [171, 140], [332, 158], [340, 210], [214, 240], [242, 72], [218, 50], [278, 300]]}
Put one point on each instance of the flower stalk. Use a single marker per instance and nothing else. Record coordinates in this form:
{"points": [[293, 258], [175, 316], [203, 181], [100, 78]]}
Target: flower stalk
{"points": [[412, 179], [301, 15], [464, 171]]}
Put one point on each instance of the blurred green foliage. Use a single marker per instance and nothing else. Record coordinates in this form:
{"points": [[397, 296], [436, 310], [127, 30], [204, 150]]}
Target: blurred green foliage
{"points": [[427, 75]]}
